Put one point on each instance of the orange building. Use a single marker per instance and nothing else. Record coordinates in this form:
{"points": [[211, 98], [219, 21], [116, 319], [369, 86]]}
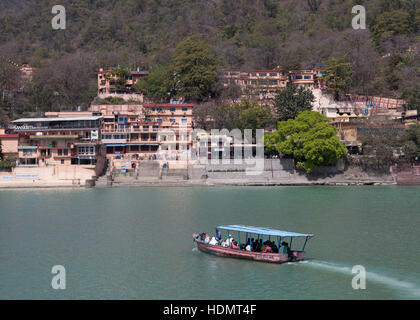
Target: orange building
{"points": [[262, 84], [106, 87], [9, 143], [146, 131]]}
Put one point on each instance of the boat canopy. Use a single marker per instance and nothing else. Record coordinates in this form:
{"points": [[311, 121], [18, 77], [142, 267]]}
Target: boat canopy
{"points": [[262, 230]]}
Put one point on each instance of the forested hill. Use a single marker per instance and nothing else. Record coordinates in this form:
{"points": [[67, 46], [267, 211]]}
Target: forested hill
{"points": [[251, 33], [244, 33]]}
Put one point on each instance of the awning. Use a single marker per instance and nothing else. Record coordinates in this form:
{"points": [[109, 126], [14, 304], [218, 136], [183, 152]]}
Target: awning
{"points": [[116, 145], [27, 147], [262, 230]]}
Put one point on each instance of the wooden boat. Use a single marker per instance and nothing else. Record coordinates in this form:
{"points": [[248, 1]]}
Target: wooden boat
{"points": [[218, 250]]}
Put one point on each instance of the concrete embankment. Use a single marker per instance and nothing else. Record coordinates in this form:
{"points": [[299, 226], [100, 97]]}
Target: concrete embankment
{"points": [[275, 172]]}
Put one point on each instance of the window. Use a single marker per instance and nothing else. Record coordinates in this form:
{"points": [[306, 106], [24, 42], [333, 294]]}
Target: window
{"points": [[308, 77], [184, 109], [273, 74], [159, 120], [184, 120], [60, 152], [159, 109], [66, 152], [172, 109], [253, 74], [172, 120], [298, 77], [273, 82], [263, 74], [62, 161], [86, 150]]}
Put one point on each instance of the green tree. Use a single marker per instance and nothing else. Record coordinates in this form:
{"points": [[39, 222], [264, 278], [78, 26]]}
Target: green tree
{"points": [[337, 75], [254, 116], [120, 75], [390, 24], [292, 100], [309, 138], [159, 86], [411, 143], [243, 115], [196, 68]]}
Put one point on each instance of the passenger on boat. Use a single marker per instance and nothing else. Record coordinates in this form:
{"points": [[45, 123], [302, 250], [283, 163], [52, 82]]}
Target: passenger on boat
{"points": [[202, 236], [253, 245], [284, 249], [259, 246], [218, 235], [248, 247], [274, 247], [234, 245], [268, 248], [229, 240], [213, 241], [207, 239]]}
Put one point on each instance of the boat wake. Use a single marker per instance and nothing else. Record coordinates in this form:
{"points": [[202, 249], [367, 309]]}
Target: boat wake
{"points": [[388, 281]]}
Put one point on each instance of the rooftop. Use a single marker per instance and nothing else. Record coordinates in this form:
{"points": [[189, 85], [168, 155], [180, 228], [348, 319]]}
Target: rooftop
{"points": [[263, 230], [24, 120]]}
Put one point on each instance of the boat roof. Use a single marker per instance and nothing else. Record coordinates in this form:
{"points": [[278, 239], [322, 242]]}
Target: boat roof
{"points": [[263, 230]]}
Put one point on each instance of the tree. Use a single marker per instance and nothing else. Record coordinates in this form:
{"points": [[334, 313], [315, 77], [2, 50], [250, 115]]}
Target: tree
{"points": [[314, 5], [411, 143], [390, 24], [243, 115], [254, 116], [337, 75], [196, 68], [159, 86], [309, 138], [292, 100], [381, 142], [119, 75]]}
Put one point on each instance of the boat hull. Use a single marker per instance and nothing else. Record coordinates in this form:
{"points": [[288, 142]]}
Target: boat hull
{"points": [[241, 254]]}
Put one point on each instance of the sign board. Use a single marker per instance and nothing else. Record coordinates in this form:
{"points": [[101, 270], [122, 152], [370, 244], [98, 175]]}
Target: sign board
{"points": [[94, 134]]}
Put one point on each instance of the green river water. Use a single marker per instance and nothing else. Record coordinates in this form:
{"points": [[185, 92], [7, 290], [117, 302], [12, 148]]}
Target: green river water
{"points": [[135, 243]]}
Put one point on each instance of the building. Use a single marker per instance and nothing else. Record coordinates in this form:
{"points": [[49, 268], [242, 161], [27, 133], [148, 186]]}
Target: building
{"points": [[9, 143], [27, 72], [58, 141], [106, 87], [148, 131], [262, 84]]}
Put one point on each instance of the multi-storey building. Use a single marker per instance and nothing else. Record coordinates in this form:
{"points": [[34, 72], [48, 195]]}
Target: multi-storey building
{"points": [[262, 84], [146, 131], [8, 143], [58, 141], [106, 85]]}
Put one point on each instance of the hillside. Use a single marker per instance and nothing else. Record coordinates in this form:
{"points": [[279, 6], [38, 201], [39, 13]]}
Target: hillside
{"points": [[245, 34]]}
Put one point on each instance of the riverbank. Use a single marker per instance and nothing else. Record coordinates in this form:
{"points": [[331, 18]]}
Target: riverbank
{"points": [[275, 174]]}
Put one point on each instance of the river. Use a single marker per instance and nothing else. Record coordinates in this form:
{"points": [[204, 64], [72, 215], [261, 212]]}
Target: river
{"points": [[135, 243]]}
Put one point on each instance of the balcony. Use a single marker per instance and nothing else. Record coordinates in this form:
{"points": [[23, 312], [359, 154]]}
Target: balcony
{"points": [[54, 136]]}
